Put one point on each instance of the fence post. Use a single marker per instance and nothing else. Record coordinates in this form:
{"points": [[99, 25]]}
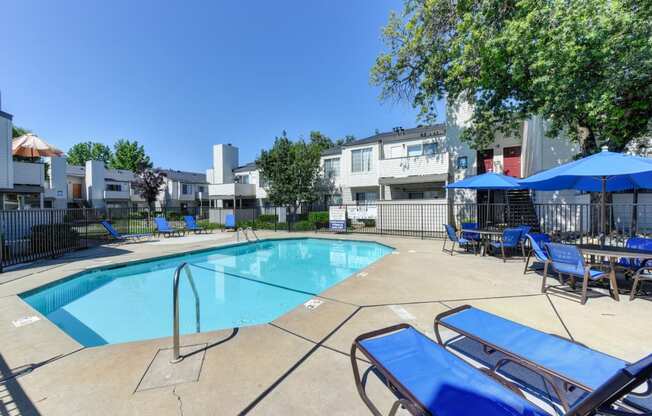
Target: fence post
{"points": [[2, 248], [85, 211], [52, 242], [421, 221]]}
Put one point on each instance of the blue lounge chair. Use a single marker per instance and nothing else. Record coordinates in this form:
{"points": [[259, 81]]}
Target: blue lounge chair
{"points": [[162, 227], [191, 225], [565, 259], [429, 380], [510, 240], [229, 222], [537, 241], [461, 241], [122, 237], [563, 364]]}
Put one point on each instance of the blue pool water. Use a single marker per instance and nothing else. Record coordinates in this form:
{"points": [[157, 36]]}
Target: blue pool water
{"points": [[238, 286]]}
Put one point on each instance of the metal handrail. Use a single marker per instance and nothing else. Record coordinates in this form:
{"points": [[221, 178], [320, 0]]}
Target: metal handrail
{"points": [[254, 233], [176, 355]]}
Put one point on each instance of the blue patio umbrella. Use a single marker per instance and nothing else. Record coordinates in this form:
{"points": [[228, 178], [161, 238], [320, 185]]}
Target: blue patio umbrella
{"points": [[488, 181], [602, 172]]}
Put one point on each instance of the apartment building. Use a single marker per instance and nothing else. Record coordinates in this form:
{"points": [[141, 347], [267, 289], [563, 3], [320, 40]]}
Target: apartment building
{"points": [[401, 165], [183, 190]]}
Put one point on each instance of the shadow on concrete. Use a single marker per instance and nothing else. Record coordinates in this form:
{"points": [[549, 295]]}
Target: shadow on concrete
{"points": [[13, 399], [234, 332]]}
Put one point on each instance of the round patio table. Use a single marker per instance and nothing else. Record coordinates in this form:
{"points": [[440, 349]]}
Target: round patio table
{"points": [[485, 236], [613, 253]]}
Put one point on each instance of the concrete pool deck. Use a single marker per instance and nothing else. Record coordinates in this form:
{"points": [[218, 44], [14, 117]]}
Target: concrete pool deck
{"points": [[297, 364]]}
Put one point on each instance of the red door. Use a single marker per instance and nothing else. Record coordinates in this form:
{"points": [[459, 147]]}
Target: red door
{"points": [[512, 161], [485, 161]]}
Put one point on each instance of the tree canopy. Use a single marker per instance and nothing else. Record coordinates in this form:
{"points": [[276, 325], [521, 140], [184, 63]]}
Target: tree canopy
{"points": [[18, 131], [129, 155], [80, 153], [584, 65], [290, 171], [148, 184]]}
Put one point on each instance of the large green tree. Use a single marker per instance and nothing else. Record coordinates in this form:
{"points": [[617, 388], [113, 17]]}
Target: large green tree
{"points": [[129, 155], [290, 171], [18, 131], [80, 153], [584, 65]]}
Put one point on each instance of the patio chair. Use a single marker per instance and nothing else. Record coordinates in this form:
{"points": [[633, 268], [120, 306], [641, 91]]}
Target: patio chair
{"points": [[162, 227], [509, 347], [122, 237], [536, 241], [229, 222], [567, 259], [644, 274], [525, 229], [426, 379], [510, 240], [639, 243], [461, 241], [191, 225]]}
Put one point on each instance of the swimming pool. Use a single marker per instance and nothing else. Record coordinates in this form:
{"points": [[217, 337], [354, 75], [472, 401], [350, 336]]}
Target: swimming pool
{"points": [[238, 285]]}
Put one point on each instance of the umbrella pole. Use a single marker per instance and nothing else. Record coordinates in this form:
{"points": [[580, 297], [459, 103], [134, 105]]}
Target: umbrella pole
{"points": [[603, 210]]}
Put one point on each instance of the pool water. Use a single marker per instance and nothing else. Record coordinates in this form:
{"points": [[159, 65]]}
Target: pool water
{"points": [[238, 285]]}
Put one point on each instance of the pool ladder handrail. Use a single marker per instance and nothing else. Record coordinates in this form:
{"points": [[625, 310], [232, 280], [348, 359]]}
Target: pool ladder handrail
{"points": [[245, 231], [176, 355]]}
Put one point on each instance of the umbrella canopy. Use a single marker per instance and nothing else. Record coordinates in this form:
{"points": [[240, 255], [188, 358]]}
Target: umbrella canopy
{"points": [[602, 172], [489, 181], [30, 145], [616, 171]]}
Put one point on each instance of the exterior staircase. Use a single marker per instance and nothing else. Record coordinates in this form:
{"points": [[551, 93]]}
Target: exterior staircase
{"points": [[521, 209]]}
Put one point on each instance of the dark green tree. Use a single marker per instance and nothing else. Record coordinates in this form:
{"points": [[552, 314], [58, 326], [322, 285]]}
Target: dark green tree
{"points": [[129, 155], [344, 140], [80, 153], [18, 131], [583, 65], [320, 140], [290, 171]]}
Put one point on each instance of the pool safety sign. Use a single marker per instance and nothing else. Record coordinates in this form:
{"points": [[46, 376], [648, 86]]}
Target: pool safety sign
{"points": [[337, 218]]}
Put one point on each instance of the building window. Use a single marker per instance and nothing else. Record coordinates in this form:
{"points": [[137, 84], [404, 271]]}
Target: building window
{"points": [[186, 189], [242, 179], [415, 195], [201, 189], [116, 187], [361, 160], [414, 150], [429, 148], [332, 167], [462, 162], [366, 196]]}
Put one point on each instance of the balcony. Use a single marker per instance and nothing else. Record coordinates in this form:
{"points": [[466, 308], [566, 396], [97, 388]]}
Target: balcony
{"points": [[29, 173], [230, 190], [414, 166], [112, 195], [135, 196]]}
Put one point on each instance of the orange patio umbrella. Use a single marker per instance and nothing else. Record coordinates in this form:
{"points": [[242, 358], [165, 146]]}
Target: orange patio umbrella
{"points": [[30, 145]]}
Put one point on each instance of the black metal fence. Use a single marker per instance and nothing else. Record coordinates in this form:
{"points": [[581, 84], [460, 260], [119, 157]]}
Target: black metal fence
{"points": [[565, 222], [29, 235], [32, 234]]}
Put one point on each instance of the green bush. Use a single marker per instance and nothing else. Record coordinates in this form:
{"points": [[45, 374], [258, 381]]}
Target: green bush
{"points": [[319, 219], [368, 222], [267, 218], [174, 216], [207, 225], [303, 225], [61, 235]]}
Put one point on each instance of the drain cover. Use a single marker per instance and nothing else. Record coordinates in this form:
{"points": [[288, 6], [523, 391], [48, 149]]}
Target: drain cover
{"points": [[161, 373]]}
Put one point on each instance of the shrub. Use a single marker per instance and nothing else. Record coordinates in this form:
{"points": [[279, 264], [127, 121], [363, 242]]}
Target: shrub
{"points": [[368, 222], [319, 219], [207, 225], [62, 235], [267, 218], [303, 225], [174, 216]]}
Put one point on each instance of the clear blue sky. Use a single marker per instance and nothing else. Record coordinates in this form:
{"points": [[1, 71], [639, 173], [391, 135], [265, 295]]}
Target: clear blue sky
{"points": [[180, 76]]}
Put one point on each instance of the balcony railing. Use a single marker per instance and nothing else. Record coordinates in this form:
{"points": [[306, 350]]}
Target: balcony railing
{"points": [[414, 165], [29, 173]]}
